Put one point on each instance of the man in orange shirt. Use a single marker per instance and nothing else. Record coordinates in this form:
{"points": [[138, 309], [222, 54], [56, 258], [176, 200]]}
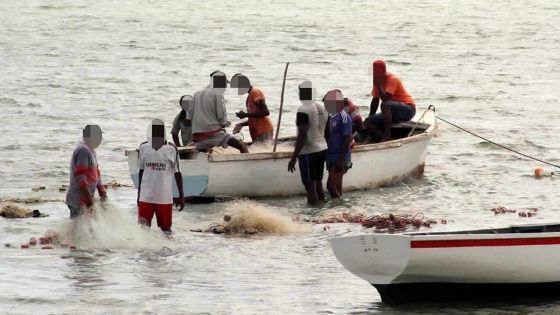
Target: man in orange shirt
{"points": [[260, 126], [396, 104]]}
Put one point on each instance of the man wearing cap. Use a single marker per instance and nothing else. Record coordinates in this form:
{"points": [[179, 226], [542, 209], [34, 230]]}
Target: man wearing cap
{"points": [[396, 104], [260, 126], [183, 122], [210, 117], [85, 177]]}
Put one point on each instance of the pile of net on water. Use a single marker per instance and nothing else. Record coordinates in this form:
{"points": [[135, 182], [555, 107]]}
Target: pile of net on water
{"points": [[387, 221], [249, 217], [103, 227], [13, 211]]}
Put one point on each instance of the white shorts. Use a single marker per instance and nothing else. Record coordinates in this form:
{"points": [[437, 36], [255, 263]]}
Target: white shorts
{"points": [[220, 139]]}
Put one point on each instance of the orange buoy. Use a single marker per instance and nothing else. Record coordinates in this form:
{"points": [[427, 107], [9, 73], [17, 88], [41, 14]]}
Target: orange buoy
{"points": [[539, 172], [72, 246], [24, 246]]}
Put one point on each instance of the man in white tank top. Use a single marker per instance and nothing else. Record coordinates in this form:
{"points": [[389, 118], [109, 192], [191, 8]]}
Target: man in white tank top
{"points": [[311, 146]]}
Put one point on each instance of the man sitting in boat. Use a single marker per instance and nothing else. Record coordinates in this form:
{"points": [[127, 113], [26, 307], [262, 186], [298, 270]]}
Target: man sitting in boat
{"points": [[210, 118], [260, 126], [182, 122], [339, 136], [396, 104], [311, 146]]}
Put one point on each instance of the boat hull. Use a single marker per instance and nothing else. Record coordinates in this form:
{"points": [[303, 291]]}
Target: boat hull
{"points": [[266, 174], [403, 293], [413, 267]]}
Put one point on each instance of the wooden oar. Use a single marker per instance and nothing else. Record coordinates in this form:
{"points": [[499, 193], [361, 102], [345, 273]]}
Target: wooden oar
{"points": [[281, 105]]}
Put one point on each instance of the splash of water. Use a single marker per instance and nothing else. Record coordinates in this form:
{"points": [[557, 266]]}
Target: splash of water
{"points": [[107, 227]]}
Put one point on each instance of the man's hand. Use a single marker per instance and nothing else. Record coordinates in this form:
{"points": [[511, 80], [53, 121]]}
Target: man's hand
{"points": [[237, 128], [181, 203], [292, 164], [241, 114]]}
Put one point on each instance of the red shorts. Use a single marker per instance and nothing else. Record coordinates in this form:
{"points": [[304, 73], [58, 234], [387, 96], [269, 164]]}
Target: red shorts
{"points": [[163, 213]]}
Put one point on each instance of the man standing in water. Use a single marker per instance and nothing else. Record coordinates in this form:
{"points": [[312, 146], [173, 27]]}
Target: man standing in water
{"points": [[260, 126], [397, 105], [210, 118], [158, 162], [85, 176], [311, 146], [339, 139]]}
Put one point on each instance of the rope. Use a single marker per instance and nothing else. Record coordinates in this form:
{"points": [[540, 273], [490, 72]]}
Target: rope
{"points": [[497, 144], [430, 108]]}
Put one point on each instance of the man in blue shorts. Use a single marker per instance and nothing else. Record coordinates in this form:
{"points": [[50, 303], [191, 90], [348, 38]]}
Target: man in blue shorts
{"points": [[339, 137]]}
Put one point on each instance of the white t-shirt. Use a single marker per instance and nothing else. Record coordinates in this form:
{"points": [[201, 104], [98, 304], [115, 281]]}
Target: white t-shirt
{"points": [[316, 116], [159, 169]]}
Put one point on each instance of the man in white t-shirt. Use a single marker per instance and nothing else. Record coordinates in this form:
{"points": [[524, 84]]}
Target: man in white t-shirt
{"points": [[311, 146], [158, 162]]}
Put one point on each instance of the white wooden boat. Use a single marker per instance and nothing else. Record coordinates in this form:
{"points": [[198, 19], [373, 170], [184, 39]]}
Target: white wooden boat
{"points": [[266, 174], [522, 261]]}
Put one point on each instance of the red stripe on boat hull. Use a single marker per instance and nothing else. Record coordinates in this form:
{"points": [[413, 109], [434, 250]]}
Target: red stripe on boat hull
{"points": [[486, 242]]}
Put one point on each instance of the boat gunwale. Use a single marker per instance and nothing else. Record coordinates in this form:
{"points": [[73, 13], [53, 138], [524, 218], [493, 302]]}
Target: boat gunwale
{"points": [[428, 133]]}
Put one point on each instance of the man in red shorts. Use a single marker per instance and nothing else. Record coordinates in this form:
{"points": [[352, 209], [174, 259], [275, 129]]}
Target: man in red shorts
{"points": [[158, 162]]}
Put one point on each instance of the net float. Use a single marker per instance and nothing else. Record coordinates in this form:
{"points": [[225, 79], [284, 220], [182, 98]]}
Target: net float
{"points": [[47, 247], [538, 172], [33, 241], [24, 246]]}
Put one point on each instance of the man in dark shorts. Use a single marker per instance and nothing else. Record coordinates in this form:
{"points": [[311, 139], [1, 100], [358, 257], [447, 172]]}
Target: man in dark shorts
{"points": [[396, 104], [311, 146]]}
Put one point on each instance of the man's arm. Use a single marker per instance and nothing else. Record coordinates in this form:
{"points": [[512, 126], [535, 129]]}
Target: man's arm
{"points": [[263, 111], [221, 114], [175, 137], [179, 181], [140, 173], [100, 188], [383, 94], [373, 106], [302, 122], [239, 126]]}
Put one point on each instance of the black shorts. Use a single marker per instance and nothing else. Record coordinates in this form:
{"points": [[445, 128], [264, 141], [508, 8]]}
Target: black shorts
{"points": [[312, 166]]}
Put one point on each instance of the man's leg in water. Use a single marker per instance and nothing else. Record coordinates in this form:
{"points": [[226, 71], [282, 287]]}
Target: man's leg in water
{"points": [[312, 197], [320, 190], [238, 144], [145, 213], [335, 178], [164, 214]]}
